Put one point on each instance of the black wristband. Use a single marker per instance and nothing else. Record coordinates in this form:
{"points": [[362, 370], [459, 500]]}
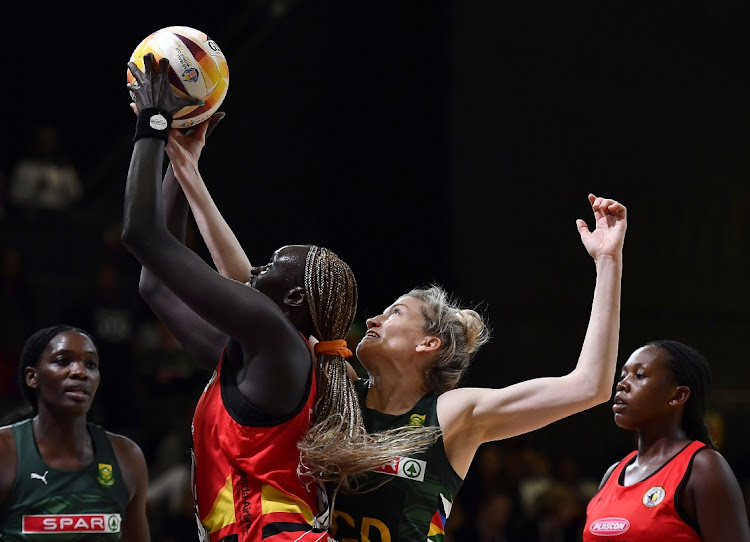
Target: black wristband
{"points": [[153, 122]]}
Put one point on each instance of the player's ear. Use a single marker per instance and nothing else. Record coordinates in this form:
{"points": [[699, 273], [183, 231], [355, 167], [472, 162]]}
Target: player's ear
{"points": [[295, 297], [430, 343], [30, 376], [680, 396]]}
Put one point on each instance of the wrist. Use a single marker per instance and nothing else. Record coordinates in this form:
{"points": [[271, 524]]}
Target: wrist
{"points": [[608, 261], [153, 122]]}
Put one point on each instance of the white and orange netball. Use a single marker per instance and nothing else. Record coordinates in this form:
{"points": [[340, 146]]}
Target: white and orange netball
{"points": [[197, 69]]}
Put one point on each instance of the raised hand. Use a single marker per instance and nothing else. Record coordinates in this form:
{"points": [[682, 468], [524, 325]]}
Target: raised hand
{"points": [[151, 87], [609, 233], [185, 146]]}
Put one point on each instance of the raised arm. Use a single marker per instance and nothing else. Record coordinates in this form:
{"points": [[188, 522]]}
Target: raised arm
{"points": [[184, 150], [472, 416], [202, 341], [274, 361]]}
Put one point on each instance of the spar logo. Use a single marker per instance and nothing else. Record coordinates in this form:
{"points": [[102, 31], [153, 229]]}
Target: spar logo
{"points": [[405, 467], [71, 523], [609, 526]]}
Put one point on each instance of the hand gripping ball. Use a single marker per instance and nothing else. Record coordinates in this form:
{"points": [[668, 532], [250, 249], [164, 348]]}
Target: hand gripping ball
{"points": [[197, 68]]}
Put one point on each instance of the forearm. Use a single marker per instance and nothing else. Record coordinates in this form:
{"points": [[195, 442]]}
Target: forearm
{"points": [[143, 221], [595, 371], [177, 207], [202, 341], [227, 253]]}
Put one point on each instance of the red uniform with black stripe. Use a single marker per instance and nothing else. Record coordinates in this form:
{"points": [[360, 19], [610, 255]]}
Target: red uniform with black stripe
{"points": [[245, 476], [646, 511]]}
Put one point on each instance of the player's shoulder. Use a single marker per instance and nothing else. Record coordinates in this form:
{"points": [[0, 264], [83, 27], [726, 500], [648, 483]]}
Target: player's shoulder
{"points": [[8, 459], [708, 459], [709, 469], [7, 439], [123, 444]]}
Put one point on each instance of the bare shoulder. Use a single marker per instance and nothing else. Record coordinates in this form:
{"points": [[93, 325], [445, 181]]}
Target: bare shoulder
{"points": [[711, 474], [131, 460], [7, 444], [8, 459], [714, 497], [456, 406], [708, 462], [124, 447], [6, 435]]}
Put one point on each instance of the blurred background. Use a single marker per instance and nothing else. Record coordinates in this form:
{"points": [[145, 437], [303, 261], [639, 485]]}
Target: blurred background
{"points": [[423, 141]]}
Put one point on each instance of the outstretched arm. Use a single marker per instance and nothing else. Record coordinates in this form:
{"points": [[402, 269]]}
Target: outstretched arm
{"points": [[274, 362], [184, 150], [472, 416]]}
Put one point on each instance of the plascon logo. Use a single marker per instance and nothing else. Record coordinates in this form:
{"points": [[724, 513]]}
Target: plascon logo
{"points": [[609, 526]]}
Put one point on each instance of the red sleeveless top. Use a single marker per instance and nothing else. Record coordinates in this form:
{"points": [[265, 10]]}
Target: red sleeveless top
{"points": [[245, 477], [645, 511]]}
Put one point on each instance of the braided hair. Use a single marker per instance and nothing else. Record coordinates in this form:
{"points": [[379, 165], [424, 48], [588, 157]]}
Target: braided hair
{"points": [[337, 448]]}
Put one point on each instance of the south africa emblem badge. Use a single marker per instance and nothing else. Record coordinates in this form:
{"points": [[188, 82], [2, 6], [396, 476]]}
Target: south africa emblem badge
{"points": [[105, 478]]}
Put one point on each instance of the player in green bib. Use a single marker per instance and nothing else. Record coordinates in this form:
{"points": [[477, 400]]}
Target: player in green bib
{"points": [[64, 479], [415, 354]]}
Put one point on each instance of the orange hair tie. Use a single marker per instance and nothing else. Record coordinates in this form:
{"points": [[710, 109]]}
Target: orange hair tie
{"points": [[333, 348]]}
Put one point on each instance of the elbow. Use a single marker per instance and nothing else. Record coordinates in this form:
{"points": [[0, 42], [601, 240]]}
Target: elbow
{"points": [[603, 395], [146, 285], [599, 392], [593, 394], [131, 236], [136, 238]]}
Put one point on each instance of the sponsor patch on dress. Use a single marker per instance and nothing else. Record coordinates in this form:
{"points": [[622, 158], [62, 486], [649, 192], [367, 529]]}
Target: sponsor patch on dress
{"points": [[405, 467], [71, 523]]}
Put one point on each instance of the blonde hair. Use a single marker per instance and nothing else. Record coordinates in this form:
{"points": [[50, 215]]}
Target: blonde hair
{"points": [[462, 332], [337, 448]]}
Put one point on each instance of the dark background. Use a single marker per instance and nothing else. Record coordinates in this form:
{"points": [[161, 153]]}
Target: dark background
{"points": [[444, 141]]}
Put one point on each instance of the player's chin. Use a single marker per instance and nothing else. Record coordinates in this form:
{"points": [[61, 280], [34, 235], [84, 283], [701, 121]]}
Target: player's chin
{"points": [[363, 348], [623, 422]]}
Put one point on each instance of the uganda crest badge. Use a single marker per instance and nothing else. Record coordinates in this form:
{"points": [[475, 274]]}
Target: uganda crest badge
{"points": [[417, 420], [105, 478]]}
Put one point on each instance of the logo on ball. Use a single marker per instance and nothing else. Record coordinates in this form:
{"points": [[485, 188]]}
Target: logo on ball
{"points": [[191, 74]]}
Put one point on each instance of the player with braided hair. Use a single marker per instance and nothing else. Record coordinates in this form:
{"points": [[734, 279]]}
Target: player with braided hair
{"points": [[258, 402], [250, 482]]}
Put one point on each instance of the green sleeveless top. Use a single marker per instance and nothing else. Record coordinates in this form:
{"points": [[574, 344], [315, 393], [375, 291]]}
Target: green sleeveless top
{"points": [[415, 501], [51, 505]]}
